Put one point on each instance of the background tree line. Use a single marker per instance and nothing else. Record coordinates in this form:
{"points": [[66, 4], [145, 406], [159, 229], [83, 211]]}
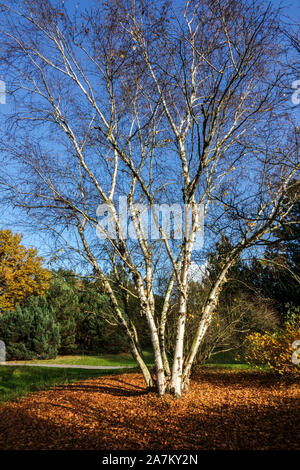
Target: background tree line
{"points": [[72, 314], [44, 313]]}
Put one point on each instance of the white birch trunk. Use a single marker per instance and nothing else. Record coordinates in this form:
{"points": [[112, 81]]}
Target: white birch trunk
{"points": [[205, 321], [159, 366], [142, 365], [147, 305], [176, 378]]}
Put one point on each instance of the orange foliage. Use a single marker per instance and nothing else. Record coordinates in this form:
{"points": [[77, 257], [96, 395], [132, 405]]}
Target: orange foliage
{"points": [[21, 271], [223, 409]]}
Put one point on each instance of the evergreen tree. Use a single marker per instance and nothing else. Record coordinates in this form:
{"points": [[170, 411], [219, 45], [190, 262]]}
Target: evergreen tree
{"points": [[63, 298], [97, 330], [30, 332], [277, 275]]}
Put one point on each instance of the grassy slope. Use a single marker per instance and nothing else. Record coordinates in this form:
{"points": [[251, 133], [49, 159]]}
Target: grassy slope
{"points": [[221, 365], [123, 359], [18, 381], [227, 360]]}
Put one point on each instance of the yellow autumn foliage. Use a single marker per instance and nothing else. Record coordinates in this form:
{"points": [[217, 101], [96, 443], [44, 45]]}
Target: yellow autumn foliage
{"points": [[21, 271], [274, 349]]}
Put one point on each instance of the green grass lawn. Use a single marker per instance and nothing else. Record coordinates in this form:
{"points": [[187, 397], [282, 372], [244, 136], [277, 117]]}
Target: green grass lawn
{"points": [[227, 357], [220, 365], [222, 360], [18, 381], [123, 359], [227, 360]]}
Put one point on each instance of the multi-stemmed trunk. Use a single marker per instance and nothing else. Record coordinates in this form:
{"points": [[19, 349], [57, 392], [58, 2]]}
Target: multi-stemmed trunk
{"points": [[177, 381]]}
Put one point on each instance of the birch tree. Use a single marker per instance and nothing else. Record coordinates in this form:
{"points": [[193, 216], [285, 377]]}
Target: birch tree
{"points": [[161, 103]]}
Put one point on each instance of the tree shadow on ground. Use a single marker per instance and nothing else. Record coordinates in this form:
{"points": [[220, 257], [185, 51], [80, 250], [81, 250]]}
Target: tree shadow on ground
{"points": [[84, 416], [116, 391], [226, 429]]}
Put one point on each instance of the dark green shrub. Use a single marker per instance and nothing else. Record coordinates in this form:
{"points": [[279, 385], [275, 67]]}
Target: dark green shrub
{"points": [[30, 332]]}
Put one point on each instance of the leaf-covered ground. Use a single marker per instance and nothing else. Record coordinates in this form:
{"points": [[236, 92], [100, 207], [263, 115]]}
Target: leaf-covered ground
{"points": [[223, 410]]}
